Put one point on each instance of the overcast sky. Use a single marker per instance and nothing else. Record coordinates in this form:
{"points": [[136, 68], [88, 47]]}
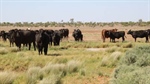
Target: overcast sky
{"points": [[80, 10]]}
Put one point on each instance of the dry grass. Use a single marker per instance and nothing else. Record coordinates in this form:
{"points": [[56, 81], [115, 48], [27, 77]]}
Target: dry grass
{"points": [[77, 64], [7, 77]]}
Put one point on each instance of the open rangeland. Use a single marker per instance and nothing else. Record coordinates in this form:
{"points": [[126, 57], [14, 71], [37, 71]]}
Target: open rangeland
{"points": [[87, 62]]}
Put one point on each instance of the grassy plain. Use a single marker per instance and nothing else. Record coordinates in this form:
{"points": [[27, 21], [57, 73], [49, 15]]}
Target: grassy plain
{"points": [[87, 62]]}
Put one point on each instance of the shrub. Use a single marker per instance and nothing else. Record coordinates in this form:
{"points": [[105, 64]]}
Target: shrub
{"points": [[13, 49], [128, 45], [54, 69], [131, 75], [7, 77], [20, 54], [112, 49], [53, 79], [133, 67], [82, 72], [52, 73], [73, 66], [33, 74], [111, 60], [137, 56], [3, 51]]}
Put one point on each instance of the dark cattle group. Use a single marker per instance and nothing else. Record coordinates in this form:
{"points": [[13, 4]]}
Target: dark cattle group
{"points": [[106, 35], [41, 38]]}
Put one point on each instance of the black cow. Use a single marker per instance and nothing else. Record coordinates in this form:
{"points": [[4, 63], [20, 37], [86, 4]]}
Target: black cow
{"points": [[148, 32], [42, 41], [139, 33], [25, 37], [3, 35], [77, 34], [50, 33], [10, 37], [117, 35], [56, 37], [64, 33]]}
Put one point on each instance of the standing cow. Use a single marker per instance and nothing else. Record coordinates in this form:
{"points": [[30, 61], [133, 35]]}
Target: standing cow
{"points": [[139, 34], [3, 34], [77, 34], [105, 33], [117, 35], [56, 37], [42, 41]]}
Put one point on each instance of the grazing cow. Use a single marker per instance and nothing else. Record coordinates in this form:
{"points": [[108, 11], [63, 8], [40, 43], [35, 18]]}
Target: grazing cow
{"points": [[117, 35], [105, 33], [139, 33], [42, 41], [77, 34], [3, 35], [56, 37]]}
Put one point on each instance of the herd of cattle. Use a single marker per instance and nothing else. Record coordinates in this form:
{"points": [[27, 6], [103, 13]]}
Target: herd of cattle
{"points": [[42, 38], [113, 33]]}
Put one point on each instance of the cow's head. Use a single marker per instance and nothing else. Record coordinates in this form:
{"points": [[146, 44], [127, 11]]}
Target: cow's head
{"points": [[129, 32]]}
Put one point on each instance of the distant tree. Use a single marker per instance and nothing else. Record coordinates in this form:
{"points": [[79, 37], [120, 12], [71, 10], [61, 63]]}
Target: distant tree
{"points": [[140, 22], [72, 20]]}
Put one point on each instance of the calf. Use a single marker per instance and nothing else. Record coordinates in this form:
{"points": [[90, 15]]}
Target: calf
{"points": [[139, 33], [117, 35]]}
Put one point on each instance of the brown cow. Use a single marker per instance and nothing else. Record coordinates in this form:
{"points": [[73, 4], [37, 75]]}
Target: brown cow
{"points": [[104, 33]]}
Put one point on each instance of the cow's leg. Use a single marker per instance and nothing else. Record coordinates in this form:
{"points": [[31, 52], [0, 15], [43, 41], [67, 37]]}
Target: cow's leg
{"points": [[114, 40], [39, 51], [42, 50], [123, 39], [103, 39], [45, 49], [58, 42], [10, 44], [147, 39], [34, 46], [19, 47], [135, 39], [29, 46]]}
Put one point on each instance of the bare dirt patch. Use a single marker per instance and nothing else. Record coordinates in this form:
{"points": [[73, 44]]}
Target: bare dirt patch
{"points": [[96, 49]]}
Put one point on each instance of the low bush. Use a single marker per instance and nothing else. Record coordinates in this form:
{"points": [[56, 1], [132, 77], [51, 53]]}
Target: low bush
{"points": [[3, 51], [52, 73], [111, 60], [7, 77], [134, 67], [13, 49]]}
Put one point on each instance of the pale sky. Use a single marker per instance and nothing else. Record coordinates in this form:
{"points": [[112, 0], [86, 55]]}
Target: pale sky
{"points": [[80, 10]]}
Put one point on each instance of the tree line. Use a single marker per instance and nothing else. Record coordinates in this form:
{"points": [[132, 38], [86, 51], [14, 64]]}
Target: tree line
{"points": [[75, 24]]}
